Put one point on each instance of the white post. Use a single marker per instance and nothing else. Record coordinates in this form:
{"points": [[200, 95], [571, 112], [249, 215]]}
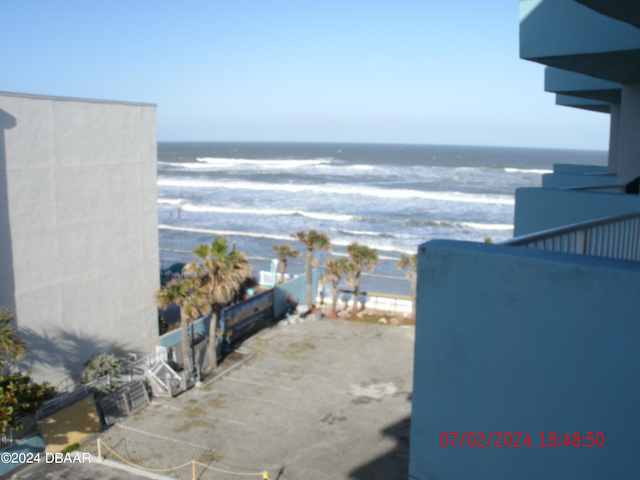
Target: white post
{"points": [[614, 138], [274, 270]]}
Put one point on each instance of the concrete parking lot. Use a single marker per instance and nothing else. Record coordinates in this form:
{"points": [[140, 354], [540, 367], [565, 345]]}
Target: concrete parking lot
{"points": [[324, 400]]}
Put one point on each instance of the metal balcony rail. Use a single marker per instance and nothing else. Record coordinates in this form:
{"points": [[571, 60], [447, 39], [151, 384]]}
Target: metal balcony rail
{"points": [[12, 436], [611, 237], [601, 189]]}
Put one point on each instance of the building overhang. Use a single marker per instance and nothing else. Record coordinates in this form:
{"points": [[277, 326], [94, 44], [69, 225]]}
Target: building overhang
{"points": [[570, 36], [583, 86], [583, 103], [625, 10]]}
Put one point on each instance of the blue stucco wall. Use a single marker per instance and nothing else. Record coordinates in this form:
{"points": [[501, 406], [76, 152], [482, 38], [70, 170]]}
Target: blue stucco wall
{"points": [[577, 168], [510, 339], [540, 209], [564, 180], [198, 328]]}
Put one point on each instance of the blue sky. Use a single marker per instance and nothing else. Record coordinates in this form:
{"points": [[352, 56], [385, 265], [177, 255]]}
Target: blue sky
{"points": [[427, 71]]}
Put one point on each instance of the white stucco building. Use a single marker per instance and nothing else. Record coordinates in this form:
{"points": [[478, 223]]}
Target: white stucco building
{"points": [[78, 228]]}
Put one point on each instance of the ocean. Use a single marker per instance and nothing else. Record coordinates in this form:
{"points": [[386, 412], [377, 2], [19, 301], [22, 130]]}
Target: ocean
{"points": [[388, 197]]}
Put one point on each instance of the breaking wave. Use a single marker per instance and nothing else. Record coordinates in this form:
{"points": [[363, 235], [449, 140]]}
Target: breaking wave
{"points": [[341, 190], [268, 211], [527, 170]]}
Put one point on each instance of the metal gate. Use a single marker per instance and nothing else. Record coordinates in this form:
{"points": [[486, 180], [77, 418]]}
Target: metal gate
{"points": [[125, 401]]}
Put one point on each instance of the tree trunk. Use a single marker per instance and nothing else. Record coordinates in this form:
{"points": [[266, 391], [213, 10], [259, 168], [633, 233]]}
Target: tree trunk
{"points": [[283, 268], [334, 300], [186, 349], [212, 347], [309, 274], [356, 291]]}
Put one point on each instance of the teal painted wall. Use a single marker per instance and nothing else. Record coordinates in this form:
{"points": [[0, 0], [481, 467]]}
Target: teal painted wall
{"points": [[576, 168], [563, 81], [540, 209], [583, 103], [199, 328], [510, 339], [33, 445], [550, 28], [564, 180], [295, 287]]}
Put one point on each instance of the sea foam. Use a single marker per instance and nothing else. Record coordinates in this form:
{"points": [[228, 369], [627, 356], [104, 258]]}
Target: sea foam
{"points": [[527, 170], [233, 162], [229, 233], [340, 190], [268, 211]]}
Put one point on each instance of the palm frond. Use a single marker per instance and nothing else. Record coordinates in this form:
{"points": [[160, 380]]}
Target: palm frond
{"points": [[10, 345]]}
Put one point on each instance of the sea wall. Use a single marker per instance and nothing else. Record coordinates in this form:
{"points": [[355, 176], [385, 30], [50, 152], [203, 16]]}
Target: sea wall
{"points": [[78, 220], [516, 340], [540, 209]]}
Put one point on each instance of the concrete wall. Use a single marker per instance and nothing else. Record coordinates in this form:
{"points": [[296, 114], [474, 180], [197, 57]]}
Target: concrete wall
{"points": [[79, 238], [540, 209], [564, 180], [510, 339]]}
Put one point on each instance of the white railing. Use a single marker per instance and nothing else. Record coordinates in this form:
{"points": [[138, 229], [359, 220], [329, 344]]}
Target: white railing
{"points": [[131, 372], [374, 301], [612, 237], [266, 278], [601, 189]]}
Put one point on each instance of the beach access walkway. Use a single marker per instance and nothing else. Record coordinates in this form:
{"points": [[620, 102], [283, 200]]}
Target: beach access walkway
{"points": [[329, 399]]}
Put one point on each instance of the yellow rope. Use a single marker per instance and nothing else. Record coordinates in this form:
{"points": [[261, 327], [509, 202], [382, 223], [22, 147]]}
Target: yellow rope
{"points": [[140, 466], [264, 474]]}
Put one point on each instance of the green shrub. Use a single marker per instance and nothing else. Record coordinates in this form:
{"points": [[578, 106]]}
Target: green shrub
{"points": [[71, 448], [20, 396], [102, 365]]}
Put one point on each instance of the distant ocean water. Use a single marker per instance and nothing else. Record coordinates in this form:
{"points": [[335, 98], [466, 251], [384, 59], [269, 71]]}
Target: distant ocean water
{"points": [[389, 197]]}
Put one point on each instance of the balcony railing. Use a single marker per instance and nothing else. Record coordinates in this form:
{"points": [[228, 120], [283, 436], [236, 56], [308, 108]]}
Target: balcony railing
{"points": [[611, 237], [601, 189]]}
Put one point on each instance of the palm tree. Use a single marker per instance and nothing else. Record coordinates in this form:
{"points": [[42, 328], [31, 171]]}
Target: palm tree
{"points": [[220, 278], [410, 262], [335, 269], [312, 239], [284, 251], [11, 347], [361, 256], [184, 292]]}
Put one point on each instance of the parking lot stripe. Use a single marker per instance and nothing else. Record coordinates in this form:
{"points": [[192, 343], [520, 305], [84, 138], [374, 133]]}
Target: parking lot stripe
{"points": [[244, 396], [163, 437], [258, 384]]}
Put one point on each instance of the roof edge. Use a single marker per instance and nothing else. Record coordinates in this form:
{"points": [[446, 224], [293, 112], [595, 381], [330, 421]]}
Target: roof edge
{"points": [[73, 99]]}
